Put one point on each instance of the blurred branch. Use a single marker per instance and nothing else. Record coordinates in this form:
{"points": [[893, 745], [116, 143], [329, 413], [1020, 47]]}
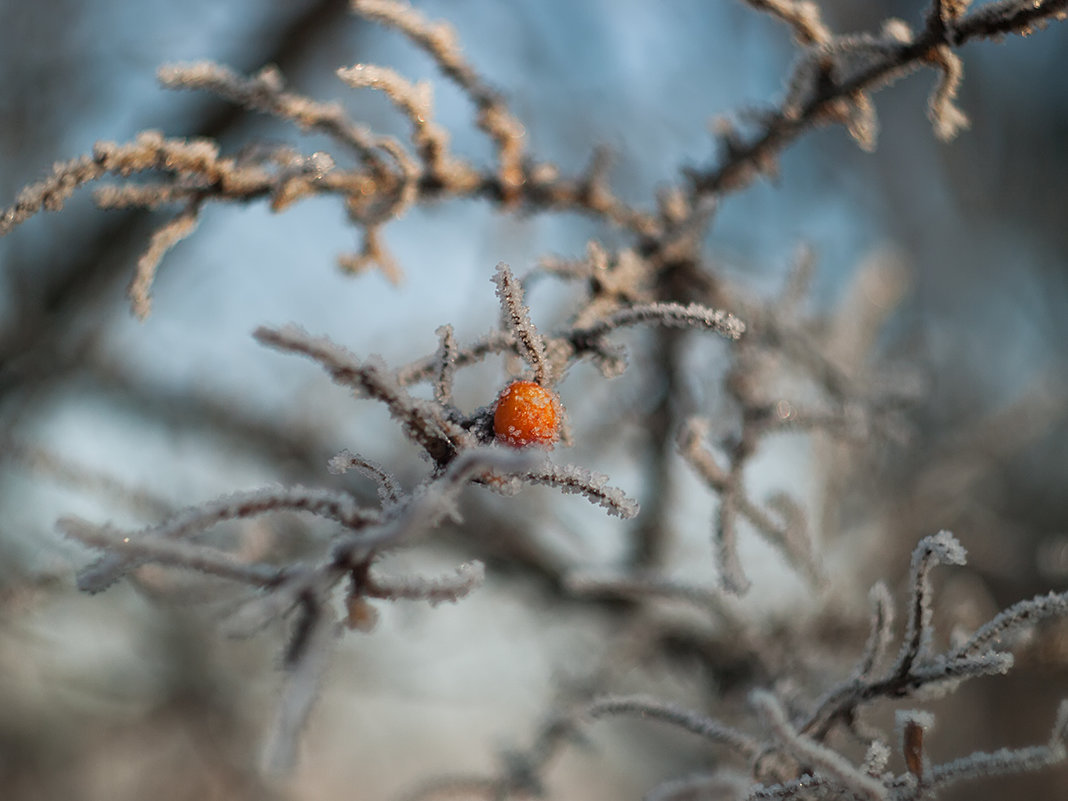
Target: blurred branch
{"points": [[36, 347]]}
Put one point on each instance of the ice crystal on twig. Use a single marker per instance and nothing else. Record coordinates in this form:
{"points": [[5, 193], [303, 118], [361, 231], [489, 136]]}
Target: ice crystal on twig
{"points": [[595, 487], [711, 730], [941, 548], [163, 240], [810, 752], [435, 590], [439, 41], [336, 506], [517, 319], [983, 764], [390, 491], [265, 92], [421, 420]]}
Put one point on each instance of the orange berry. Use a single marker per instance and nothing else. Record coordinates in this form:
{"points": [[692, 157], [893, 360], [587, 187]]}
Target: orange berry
{"points": [[527, 414]]}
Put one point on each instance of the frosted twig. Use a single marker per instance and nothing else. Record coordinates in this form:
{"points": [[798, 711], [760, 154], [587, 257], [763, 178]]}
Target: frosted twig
{"points": [[331, 504], [325, 503], [373, 253], [645, 707], [946, 12], [148, 195], [149, 150], [948, 120], [790, 536], [517, 320], [993, 663], [914, 667], [425, 508], [427, 368], [802, 16], [162, 240], [690, 446], [52, 192], [466, 579], [256, 613], [173, 553], [811, 753], [265, 92], [996, 19], [882, 622], [439, 41], [1019, 615], [876, 758], [390, 491], [447, 354], [942, 548], [861, 121], [789, 531], [594, 486], [414, 101], [794, 788], [422, 421], [1006, 760], [676, 315]]}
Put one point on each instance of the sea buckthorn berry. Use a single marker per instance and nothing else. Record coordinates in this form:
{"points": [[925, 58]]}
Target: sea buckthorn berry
{"points": [[527, 414]]}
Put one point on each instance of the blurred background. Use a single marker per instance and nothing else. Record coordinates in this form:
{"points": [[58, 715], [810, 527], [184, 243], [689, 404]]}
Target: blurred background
{"points": [[126, 696]]}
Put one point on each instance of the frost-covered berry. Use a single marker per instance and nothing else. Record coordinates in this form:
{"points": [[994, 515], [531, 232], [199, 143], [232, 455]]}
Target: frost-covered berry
{"points": [[527, 414]]}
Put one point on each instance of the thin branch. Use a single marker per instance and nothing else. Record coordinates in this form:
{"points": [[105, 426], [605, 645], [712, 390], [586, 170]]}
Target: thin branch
{"points": [[141, 549], [594, 486], [801, 15], [439, 41], [1006, 761], [881, 633], [1020, 615], [675, 315], [435, 590], [336, 506], [645, 707], [265, 92], [812, 753], [390, 491], [422, 421], [942, 548], [165, 238], [517, 320]]}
